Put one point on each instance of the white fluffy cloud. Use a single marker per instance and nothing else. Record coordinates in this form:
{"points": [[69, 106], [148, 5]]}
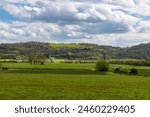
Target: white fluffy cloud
{"points": [[111, 22], [19, 31]]}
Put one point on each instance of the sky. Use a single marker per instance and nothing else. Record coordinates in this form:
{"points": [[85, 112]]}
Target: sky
{"points": [[105, 22]]}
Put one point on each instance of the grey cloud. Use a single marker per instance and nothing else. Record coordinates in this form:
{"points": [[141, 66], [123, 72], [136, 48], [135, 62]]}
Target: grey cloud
{"points": [[105, 27]]}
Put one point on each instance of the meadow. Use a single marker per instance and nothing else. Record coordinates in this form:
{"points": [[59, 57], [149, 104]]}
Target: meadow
{"points": [[58, 81], [69, 45]]}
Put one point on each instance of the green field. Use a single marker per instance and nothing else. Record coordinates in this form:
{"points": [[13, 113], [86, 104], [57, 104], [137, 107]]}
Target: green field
{"points": [[71, 81], [69, 45]]}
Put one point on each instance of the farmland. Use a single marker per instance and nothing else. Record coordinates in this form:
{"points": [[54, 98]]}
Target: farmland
{"points": [[72, 81]]}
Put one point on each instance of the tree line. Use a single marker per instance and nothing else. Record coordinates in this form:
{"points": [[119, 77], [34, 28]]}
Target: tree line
{"points": [[84, 51]]}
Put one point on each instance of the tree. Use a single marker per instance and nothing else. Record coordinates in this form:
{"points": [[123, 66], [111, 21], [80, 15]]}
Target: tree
{"points": [[37, 58], [133, 71], [102, 65]]}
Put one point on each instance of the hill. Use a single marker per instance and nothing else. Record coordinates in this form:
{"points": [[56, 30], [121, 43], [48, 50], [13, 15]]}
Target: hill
{"points": [[73, 51], [141, 51]]}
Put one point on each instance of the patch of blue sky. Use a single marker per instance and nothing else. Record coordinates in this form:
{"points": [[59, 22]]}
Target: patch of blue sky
{"points": [[7, 17], [143, 17]]}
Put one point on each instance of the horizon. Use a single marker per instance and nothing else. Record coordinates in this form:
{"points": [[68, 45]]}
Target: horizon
{"points": [[72, 43], [119, 23]]}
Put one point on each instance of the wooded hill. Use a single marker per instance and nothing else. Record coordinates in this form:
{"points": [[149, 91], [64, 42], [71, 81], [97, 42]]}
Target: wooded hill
{"points": [[73, 51]]}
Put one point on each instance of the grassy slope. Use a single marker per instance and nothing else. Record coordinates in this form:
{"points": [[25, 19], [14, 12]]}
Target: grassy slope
{"points": [[79, 83], [61, 45]]}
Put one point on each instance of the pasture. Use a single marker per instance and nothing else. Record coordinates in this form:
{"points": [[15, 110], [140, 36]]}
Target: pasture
{"points": [[60, 81], [69, 45]]}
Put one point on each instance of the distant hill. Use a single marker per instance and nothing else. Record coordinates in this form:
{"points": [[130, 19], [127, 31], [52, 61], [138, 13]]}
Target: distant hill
{"points": [[73, 51], [141, 51]]}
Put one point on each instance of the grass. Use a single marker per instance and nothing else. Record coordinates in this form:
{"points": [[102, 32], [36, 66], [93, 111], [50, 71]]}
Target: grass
{"points": [[69, 45], [69, 81], [142, 70], [48, 66]]}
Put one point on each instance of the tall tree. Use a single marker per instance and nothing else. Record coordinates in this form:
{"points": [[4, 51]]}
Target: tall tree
{"points": [[37, 58]]}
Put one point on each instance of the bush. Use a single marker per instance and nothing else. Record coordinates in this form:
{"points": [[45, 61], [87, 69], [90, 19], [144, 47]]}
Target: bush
{"points": [[133, 71], [131, 62], [102, 65], [121, 71], [4, 68], [124, 71], [117, 70]]}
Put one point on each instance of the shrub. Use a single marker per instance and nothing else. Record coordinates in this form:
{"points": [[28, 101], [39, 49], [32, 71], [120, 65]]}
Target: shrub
{"points": [[131, 62], [102, 65], [121, 71], [133, 71], [4, 68], [117, 70], [124, 71]]}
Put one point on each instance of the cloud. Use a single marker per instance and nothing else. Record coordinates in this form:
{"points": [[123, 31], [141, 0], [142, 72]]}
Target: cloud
{"points": [[112, 22], [21, 32], [68, 12]]}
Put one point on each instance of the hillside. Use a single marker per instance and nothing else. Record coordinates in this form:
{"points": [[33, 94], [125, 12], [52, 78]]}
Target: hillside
{"points": [[141, 51], [73, 51]]}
